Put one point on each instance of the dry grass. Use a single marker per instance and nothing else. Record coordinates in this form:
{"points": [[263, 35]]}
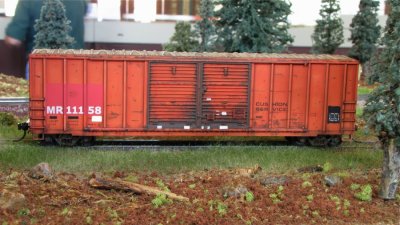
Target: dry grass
{"points": [[11, 86]]}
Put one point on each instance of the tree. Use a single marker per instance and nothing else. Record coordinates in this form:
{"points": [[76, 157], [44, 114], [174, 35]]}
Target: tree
{"points": [[382, 111], [183, 40], [365, 32], [328, 33], [205, 27], [253, 25], [52, 28]]}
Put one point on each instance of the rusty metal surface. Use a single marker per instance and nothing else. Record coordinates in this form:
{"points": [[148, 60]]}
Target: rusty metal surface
{"points": [[225, 96], [172, 96], [17, 106], [92, 52]]}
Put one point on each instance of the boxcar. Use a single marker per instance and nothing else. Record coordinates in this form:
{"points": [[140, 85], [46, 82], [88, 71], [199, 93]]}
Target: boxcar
{"points": [[77, 95]]}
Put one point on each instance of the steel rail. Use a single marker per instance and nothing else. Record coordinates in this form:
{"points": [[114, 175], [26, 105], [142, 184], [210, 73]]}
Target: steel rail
{"points": [[14, 100]]}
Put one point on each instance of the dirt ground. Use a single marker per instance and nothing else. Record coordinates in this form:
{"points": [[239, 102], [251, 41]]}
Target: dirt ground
{"points": [[11, 86], [237, 196]]}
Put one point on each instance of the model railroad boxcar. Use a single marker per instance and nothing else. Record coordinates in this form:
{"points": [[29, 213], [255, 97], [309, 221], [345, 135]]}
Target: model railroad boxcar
{"points": [[76, 95]]}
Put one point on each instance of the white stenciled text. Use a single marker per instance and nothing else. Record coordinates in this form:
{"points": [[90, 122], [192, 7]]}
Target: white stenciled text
{"points": [[74, 110]]}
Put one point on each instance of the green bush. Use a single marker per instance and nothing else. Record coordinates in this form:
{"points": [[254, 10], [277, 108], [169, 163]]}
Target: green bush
{"points": [[327, 167], [7, 119], [365, 194], [160, 199], [249, 196]]}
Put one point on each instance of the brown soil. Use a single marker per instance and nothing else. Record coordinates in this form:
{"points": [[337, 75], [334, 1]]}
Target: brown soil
{"points": [[68, 199], [11, 86]]}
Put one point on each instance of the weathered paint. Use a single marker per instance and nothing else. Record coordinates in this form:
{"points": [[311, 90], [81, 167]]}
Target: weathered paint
{"points": [[160, 94]]}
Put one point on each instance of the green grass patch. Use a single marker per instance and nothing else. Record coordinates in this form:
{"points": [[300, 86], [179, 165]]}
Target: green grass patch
{"points": [[280, 159], [364, 90], [270, 158], [359, 112]]}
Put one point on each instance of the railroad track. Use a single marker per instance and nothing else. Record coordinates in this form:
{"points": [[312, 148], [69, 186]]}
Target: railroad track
{"points": [[18, 106], [156, 145], [197, 145], [13, 100]]}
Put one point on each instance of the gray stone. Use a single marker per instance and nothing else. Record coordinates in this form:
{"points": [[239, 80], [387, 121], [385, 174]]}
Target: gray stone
{"points": [[331, 180], [266, 181], [11, 200], [41, 171], [235, 192]]}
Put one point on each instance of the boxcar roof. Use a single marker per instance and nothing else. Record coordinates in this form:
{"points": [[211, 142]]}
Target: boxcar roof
{"points": [[235, 55]]}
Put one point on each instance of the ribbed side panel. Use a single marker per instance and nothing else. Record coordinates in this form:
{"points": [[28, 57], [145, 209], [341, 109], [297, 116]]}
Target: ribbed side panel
{"points": [[172, 95], [225, 95]]}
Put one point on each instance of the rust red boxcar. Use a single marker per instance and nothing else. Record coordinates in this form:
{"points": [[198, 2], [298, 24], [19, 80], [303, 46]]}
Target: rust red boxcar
{"points": [[76, 95]]}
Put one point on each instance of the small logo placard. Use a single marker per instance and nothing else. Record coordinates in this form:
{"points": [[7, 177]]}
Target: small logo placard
{"points": [[333, 114]]}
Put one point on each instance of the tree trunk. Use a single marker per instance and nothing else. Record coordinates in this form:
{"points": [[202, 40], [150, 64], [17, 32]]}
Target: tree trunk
{"points": [[134, 187], [391, 169]]}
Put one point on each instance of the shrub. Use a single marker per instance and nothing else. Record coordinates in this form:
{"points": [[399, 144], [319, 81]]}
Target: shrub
{"points": [[160, 199], [365, 194], [7, 119], [327, 167], [249, 196]]}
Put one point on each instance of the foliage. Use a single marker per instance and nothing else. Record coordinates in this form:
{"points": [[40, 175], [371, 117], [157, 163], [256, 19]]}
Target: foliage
{"points": [[162, 186], [327, 167], [365, 31], [205, 27], [342, 174], [315, 213], [52, 28], [220, 206], [363, 90], [160, 199], [66, 212], [310, 197], [306, 184], [249, 196], [336, 200], [278, 195], [354, 187], [183, 40], [365, 194], [272, 158], [23, 212], [131, 178], [253, 26], [382, 110], [7, 119], [328, 33]]}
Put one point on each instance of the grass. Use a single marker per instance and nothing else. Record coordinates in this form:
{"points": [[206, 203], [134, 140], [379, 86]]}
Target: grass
{"points": [[274, 159], [359, 112], [364, 90], [280, 159]]}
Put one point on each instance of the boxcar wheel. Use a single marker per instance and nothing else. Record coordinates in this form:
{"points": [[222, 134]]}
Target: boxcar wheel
{"points": [[298, 141], [88, 141], [66, 140], [47, 140], [318, 141], [334, 141]]}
